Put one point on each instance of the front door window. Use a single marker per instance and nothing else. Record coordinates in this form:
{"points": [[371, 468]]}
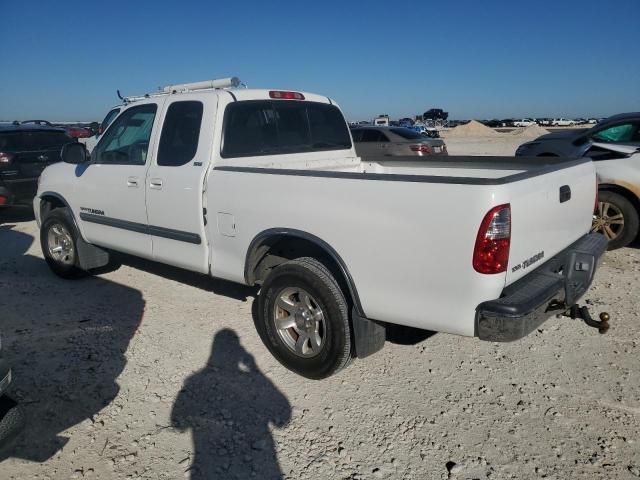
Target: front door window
{"points": [[126, 142]]}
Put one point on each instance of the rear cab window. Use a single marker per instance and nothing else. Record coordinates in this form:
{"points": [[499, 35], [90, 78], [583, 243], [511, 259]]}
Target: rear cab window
{"points": [[268, 127]]}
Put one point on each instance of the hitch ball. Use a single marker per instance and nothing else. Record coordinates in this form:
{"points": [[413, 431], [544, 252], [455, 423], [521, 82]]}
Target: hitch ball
{"points": [[604, 322]]}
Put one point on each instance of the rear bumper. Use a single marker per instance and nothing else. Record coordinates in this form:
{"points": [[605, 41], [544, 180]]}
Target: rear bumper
{"points": [[18, 191], [6, 194], [551, 288]]}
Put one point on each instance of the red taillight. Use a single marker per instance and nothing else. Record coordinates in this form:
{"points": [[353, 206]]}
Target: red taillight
{"points": [[491, 253], [5, 158], [286, 95], [3, 200], [421, 148]]}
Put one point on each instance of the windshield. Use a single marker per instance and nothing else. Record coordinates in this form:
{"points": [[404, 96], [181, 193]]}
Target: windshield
{"points": [[109, 118], [619, 133]]}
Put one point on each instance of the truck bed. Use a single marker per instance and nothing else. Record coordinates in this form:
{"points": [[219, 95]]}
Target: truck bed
{"points": [[469, 170], [454, 169], [406, 228]]}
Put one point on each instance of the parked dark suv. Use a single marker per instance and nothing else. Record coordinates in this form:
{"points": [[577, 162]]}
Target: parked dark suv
{"points": [[25, 150]]}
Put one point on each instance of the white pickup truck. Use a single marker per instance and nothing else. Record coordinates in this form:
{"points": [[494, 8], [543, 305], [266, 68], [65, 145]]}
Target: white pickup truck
{"points": [[524, 122], [263, 187]]}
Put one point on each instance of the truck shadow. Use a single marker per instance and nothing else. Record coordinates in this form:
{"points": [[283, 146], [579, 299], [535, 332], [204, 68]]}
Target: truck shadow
{"points": [[401, 335], [193, 279], [229, 406], [66, 342]]}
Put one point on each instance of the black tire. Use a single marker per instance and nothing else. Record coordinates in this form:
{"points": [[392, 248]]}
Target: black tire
{"points": [[61, 216], [619, 203], [12, 420], [313, 277]]}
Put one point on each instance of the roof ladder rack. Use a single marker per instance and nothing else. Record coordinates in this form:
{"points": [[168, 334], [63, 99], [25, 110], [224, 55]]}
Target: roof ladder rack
{"points": [[229, 82]]}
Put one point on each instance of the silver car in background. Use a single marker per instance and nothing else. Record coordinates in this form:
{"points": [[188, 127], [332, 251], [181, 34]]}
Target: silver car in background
{"points": [[373, 141]]}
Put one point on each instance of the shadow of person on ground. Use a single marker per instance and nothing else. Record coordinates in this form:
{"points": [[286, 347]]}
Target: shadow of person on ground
{"points": [[66, 341], [228, 405]]}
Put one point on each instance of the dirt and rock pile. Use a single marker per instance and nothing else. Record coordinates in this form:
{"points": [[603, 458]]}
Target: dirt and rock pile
{"points": [[471, 129], [533, 131]]}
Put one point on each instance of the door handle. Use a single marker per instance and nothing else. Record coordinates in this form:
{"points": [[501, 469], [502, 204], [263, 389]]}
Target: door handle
{"points": [[132, 182], [155, 183]]}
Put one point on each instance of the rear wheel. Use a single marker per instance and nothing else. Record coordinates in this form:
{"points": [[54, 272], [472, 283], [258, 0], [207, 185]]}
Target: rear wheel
{"points": [[59, 247], [616, 218], [12, 420], [303, 319]]}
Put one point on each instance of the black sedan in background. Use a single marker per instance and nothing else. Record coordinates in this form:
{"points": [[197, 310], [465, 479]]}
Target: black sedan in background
{"points": [[25, 150]]}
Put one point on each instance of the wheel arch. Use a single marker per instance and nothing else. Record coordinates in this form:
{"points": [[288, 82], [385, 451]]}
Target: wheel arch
{"points": [[52, 200], [274, 246], [629, 194]]}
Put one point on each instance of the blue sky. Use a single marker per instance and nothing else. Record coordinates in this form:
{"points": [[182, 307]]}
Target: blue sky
{"points": [[476, 59]]}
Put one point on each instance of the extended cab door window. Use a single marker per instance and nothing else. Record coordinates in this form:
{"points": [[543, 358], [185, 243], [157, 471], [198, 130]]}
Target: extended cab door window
{"points": [[180, 134], [126, 142]]}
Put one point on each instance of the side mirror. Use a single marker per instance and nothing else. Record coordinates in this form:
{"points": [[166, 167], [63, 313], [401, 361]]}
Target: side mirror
{"points": [[74, 153]]}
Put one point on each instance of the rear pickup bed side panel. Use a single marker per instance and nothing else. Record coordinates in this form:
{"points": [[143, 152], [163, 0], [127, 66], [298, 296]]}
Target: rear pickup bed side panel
{"points": [[407, 245]]}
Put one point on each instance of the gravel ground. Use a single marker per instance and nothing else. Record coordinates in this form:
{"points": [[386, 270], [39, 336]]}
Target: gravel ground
{"points": [[156, 373]]}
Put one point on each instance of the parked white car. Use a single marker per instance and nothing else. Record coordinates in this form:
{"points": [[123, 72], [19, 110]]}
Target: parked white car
{"points": [[524, 122], [263, 187], [613, 146], [562, 122], [381, 121]]}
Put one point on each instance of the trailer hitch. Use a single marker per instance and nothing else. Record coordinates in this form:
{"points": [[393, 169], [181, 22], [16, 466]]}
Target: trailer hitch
{"points": [[582, 313]]}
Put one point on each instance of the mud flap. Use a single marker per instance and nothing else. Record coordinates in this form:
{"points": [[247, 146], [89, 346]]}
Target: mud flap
{"points": [[90, 256], [369, 336]]}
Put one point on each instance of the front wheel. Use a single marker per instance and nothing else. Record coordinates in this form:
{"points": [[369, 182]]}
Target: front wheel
{"points": [[58, 239], [616, 218], [303, 319]]}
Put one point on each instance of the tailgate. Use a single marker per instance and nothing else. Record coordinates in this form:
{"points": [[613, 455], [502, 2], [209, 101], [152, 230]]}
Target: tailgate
{"points": [[548, 213]]}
